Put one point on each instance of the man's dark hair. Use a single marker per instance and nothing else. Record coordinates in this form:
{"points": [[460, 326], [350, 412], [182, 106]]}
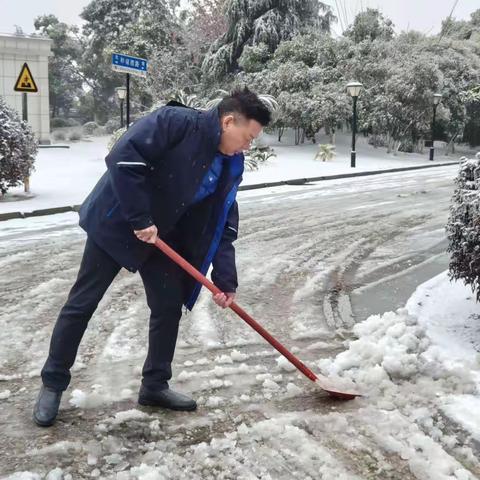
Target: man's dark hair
{"points": [[245, 102]]}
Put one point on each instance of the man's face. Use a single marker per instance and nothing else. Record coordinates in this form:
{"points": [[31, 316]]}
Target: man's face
{"points": [[237, 133]]}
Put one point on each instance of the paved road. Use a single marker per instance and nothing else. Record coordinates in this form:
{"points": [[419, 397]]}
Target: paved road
{"points": [[312, 261]]}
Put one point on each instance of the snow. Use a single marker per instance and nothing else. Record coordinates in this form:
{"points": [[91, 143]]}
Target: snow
{"points": [[62, 177], [5, 394], [297, 161], [128, 415], [65, 177], [403, 360], [284, 364], [98, 396], [404, 357], [463, 409], [258, 417]]}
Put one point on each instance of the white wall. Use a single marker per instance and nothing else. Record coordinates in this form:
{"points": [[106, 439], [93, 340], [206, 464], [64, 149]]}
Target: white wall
{"points": [[14, 52]]}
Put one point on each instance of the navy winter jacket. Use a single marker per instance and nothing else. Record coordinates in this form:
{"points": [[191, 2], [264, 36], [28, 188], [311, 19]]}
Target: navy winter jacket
{"points": [[154, 171]]}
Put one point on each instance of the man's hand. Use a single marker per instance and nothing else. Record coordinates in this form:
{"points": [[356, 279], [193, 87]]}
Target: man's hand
{"points": [[148, 235], [224, 299]]}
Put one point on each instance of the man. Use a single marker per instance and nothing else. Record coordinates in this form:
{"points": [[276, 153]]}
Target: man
{"points": [[173, 174]]}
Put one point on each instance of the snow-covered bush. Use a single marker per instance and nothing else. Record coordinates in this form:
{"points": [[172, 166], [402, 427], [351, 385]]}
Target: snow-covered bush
{"points": [[325, 152], [75, 135], [59, 136], [112, 125], [18, 147], [101, 130], [463, 227], [60, 122], [89, 128], [115, 136], [258, 155]]}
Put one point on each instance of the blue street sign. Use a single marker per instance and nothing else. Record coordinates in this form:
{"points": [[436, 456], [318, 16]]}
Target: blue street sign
{"points": [[128, 64]]}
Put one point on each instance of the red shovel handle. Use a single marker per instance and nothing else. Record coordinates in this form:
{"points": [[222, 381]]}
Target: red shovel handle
{"points": [[189, 268]]}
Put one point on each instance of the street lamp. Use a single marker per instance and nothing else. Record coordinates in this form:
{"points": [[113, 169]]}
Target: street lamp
{"points": [[437, 98], [353, 89], [121, 92]]}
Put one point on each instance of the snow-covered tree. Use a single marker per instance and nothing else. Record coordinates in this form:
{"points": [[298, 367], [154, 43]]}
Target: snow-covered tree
{"points": [[132, 27], [299, 74], [462, 29], [370, 25], [170, 71], [251, 22], [463, 227], [65, 81], [203, 22], [18, 148]]}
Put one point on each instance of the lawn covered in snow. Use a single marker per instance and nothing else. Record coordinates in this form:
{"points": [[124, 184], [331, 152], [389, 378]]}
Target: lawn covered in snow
{"points": [[64, 177]]}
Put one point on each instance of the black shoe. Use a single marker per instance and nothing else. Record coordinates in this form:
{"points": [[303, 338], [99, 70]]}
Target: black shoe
{"points": [[166, 398], [46, 406]]}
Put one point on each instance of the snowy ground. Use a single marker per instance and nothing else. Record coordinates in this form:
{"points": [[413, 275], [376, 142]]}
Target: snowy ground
{"points": [[318, 265], [65, 177]]}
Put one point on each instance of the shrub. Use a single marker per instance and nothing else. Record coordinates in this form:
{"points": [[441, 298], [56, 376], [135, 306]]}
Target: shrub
{"points": [[258, 155], [89, 128], [115, 136], [75, 135], [326, 151], [98, 132], [58, 122], [59, 135], [112, 125], [18, 147], [71, 122], [463, 227]]}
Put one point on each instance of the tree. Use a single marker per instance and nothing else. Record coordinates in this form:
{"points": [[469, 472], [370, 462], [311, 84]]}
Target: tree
{"points": [[18, 148], [203, 23], [462, 29], [370, 25], [251, 22], [300, 74], [65, 81], [137, 27]]}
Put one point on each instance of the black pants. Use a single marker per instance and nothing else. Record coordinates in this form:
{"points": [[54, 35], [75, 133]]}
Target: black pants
{"points": [[164, 286]]}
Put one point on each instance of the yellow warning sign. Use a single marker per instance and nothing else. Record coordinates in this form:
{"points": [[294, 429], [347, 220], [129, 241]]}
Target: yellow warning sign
{"points": [[25, 81]]}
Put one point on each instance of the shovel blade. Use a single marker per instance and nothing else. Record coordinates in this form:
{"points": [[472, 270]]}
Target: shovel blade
{"points": [[340, 390]]}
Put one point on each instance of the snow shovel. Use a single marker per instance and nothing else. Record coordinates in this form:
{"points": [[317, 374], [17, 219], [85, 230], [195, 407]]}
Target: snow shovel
{"points": [[320, 381]]}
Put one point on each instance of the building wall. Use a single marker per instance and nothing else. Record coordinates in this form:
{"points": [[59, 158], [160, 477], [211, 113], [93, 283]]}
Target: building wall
{"points": [[15, 50]]}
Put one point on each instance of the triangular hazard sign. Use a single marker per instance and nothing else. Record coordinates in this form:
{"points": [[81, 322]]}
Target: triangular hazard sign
{"points": [[25, 81]]}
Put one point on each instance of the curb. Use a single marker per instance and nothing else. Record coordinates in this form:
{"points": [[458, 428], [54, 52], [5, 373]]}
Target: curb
{"points": [[294, 181], [54, 146], [302, 181]]}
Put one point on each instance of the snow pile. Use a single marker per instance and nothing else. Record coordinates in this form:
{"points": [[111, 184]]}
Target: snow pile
{"points": [[392, 349], [284, 364], [5, 394], [128, 415]]}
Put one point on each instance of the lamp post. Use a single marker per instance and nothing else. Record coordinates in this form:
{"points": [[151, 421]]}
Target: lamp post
{"points": [[353, 89], [121, 92], [437, 98]]}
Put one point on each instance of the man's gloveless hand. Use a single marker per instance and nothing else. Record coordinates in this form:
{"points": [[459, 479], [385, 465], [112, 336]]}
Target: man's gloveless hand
{"points": [[148, 235], [224, 300]]}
